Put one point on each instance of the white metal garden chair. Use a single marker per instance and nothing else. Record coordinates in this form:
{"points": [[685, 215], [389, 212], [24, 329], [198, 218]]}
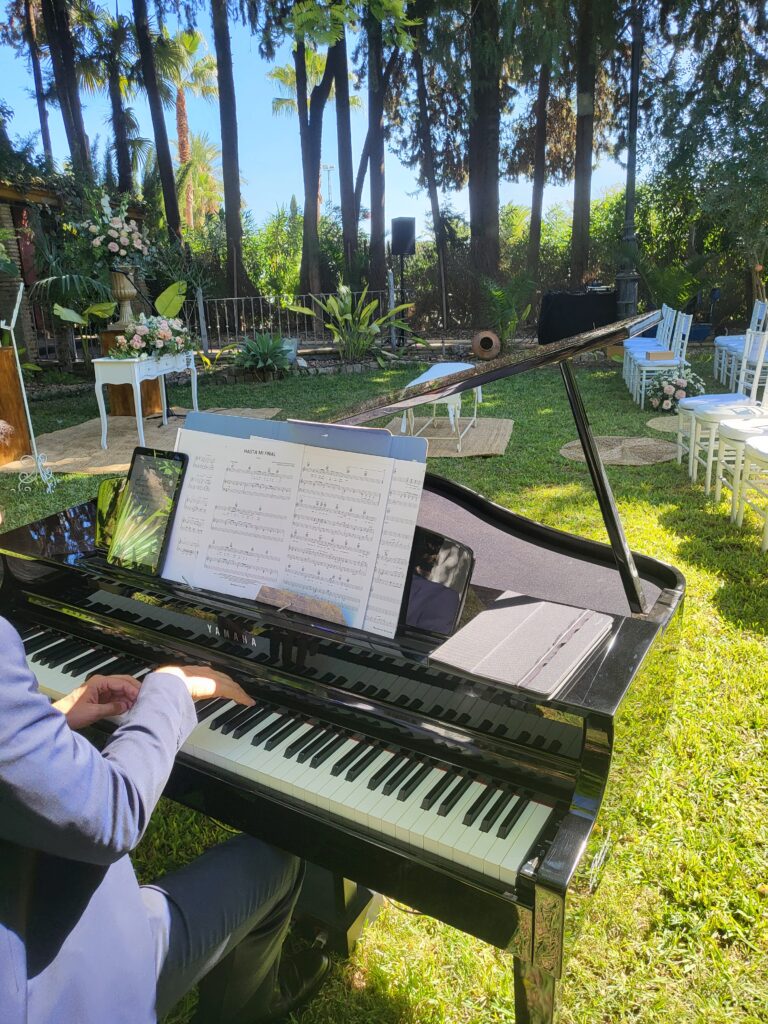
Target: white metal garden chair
{"points": [[700, 416], [642, 369], [728, 347], [754, 480], [639, 346]]}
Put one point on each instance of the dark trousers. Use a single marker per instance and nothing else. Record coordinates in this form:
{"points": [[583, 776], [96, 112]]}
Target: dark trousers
{"points": [[221, 922]]}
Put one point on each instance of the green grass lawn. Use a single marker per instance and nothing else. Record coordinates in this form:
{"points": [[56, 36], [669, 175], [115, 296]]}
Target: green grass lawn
{"points": [[678, 930]]}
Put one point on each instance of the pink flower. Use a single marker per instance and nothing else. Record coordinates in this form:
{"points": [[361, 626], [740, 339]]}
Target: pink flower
{"points": [[121, 340], [164, 335], [96, 243], [682, 382], [669, 389], [123, 240], [122, 252], [116, 222], [112, 233], [136, 243], [113, 247], [159, 343], [655, 403], [93, 228], [137, 343], [679, 394], [666, 404], [142, 329]]}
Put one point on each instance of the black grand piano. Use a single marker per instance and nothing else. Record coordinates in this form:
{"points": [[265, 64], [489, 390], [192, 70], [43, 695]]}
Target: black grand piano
{"points": [[387, 770]]}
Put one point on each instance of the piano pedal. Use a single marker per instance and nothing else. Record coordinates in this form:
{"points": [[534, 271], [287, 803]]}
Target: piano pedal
{"points": [[333, 910]]}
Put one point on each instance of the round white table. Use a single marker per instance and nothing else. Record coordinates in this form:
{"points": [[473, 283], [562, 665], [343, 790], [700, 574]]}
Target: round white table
{"points": [[453, 402], [133, 372]]}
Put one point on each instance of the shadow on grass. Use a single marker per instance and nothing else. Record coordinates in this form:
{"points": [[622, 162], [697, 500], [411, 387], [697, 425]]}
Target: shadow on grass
{"points": [[707, 538]]}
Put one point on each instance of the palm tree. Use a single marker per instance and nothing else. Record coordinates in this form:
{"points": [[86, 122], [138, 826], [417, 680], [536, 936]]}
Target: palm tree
{"points": [[199, 177], [20, 32], [184, 68], [61, 45], [109, 65]]}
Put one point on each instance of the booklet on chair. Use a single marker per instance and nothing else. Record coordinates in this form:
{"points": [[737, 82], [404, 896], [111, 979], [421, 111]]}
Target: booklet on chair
{"points": [[659, 354]]}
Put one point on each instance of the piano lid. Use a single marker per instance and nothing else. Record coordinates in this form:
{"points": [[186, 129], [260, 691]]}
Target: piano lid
{"points": [[558, 353], [519, 361]]}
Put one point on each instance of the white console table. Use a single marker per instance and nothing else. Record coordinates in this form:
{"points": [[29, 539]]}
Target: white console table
{"points": [[133, 372]]}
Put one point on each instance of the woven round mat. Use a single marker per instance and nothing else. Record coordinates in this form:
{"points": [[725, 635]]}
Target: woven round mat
{"points": [[667, 424], [625, 451]]}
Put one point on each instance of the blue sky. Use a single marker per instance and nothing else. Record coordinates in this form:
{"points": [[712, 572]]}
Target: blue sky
{"points": [[270, 160]]}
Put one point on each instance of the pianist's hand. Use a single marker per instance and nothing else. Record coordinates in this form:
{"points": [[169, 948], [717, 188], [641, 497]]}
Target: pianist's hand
{"points": [[203, 682], [101, 697]]}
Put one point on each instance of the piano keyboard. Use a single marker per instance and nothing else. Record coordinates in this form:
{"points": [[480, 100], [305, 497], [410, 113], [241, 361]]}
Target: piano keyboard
{"points": [[416, 801]]}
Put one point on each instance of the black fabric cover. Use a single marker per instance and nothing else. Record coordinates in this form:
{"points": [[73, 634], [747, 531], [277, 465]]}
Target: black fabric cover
{"points": [[564, 314]]}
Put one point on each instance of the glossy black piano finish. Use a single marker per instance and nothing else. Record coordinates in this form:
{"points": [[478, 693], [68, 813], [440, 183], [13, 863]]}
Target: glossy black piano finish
{"points": [[553, 754]]}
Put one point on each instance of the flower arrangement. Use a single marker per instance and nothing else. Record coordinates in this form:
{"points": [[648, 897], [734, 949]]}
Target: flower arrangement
{"points": [[670, 387], [153, 336], [115, 239]]}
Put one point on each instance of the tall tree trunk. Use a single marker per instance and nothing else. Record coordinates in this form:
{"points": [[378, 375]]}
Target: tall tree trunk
{"points": [[230, 160], [483, 144], [628, 278], [162, 148], [362, 167], [185, 151], [30, 29], [311, 134], [539, 173], [428, 173], [346, 180], [120, 130], [378, 264], [586, 75], [59, 34]]}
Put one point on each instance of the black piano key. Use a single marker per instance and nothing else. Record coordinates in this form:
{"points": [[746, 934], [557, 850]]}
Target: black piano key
{"points": [[107, 667], [414, 781], [40, 641], [303, 740], [244, 714], [450, 714], [26, 632], [463, 719], [538, 742], [395, 781], [497, 808], [328, 677], [370, 691], [362, 763], [59, 653], [454, 796], [205, 708], [282, 734], [248, 722], [386, 769], [523, 737], [268, 730], [436, 711], [555, 746], [349, 758], [402, 700], [479, 805], [486, 725], [226, 714], [326, 751], [509, 822], [79, 665], [325, 737], [437, 790], [118, 667], [500, 730], [358, 687]]}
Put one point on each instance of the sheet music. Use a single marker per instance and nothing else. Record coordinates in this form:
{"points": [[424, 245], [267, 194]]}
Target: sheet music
{"points": [[232, 528], [336, 526], [395, 548]]}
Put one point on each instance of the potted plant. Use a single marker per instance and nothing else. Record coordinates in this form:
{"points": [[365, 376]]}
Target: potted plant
{"points": [[668, 388], [119, 246]]}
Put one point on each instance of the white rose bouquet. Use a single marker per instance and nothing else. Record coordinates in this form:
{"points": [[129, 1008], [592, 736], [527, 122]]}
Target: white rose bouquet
{"points": [[116, 240], [670, 387], [151, 337]]}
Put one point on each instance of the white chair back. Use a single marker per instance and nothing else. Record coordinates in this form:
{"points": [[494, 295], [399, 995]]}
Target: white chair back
{"points": [[664, 330], [752, 361], [759, 315], [680, 335]]}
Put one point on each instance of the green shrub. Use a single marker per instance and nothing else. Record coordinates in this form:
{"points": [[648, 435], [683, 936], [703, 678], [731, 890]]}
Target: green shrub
{"points": [[264, 353]]}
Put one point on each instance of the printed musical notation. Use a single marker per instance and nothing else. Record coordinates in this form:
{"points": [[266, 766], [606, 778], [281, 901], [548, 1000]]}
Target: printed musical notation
{"points": [[332, 526]]}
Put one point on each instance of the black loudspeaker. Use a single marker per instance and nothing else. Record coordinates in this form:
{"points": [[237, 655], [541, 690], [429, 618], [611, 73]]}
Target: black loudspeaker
{"points": [[563, 315], [403, 236]]}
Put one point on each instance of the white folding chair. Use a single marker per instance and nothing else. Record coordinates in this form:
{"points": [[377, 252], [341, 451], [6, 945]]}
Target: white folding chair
{"points": [[728, 347], [645, 369], [704, 413], [637, 347], [732, 437], [755, 479]]}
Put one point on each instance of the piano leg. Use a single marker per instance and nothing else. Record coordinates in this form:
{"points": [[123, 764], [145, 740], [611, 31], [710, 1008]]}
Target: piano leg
{"points": [[336, 907], [534, 994]]}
